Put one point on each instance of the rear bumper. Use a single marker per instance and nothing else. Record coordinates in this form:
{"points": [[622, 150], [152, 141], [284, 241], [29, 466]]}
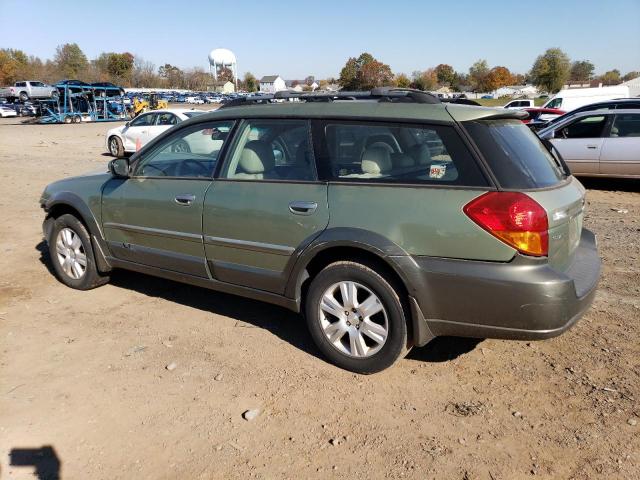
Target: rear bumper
{"points": [[524, 299]]}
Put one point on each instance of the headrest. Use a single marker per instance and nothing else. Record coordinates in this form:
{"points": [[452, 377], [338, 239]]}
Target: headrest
{"points": [[376, 160], [257, 157], [421, 154]]}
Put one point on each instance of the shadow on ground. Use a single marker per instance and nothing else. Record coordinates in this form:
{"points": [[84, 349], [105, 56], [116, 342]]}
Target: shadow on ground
{"points": [[612, 184], [43, 460], [287, 325]]}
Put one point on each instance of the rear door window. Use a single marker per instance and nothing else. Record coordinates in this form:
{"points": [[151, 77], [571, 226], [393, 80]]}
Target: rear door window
{"points": [[387, 153], [516, 156], [626, 125]]}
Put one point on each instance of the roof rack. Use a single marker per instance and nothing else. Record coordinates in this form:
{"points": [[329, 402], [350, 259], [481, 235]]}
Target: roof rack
{"points": [[381, 94]]}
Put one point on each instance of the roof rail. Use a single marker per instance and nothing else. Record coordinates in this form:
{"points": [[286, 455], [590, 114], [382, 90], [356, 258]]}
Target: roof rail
{"points": [[381, 94]]}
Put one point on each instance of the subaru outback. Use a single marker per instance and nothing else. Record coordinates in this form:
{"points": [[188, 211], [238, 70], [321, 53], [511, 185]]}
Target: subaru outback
{"points": [[387, 218]]}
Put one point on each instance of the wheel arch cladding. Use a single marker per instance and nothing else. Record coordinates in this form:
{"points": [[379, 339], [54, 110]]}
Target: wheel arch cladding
{"points": [[69, 203], [368, 248]]}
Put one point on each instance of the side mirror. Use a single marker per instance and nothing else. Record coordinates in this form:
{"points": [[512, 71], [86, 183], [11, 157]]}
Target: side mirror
{"points": [[119, 167]]}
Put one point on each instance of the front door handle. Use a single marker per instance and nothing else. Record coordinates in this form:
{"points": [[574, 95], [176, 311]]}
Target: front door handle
{"points": [[300, 207], [592, 147], [185, 199]]}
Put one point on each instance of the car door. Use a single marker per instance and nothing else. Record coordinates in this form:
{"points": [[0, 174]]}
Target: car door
{"points": [[580, 142], [136, 134], [265, 205], [621, 149], [154, 217]]}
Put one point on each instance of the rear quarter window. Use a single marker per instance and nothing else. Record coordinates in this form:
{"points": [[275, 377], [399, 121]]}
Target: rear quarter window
{"points": [[396, 153], [516, 156]]}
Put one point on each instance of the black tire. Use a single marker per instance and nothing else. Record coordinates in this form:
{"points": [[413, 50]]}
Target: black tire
{"points": [[24, 97], [116, 149], [76, 119], [395, 346], [181, 146], [91, 278], [67, 119]]}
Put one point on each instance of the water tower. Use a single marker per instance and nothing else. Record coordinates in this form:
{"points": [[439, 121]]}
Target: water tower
{"points": [[221, 58]]}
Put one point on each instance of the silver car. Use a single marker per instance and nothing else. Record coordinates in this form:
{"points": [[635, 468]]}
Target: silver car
{"points": [[598, 142]]}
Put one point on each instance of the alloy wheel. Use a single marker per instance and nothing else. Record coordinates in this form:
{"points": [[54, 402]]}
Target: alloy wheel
{"points": [[353, 319], [71, 254]]}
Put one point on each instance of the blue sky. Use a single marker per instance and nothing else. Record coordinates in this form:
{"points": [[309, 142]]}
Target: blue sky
{"points": [[298, 38]]}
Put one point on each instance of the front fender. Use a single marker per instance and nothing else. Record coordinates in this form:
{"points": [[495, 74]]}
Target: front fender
{"points": [[70, 199]]}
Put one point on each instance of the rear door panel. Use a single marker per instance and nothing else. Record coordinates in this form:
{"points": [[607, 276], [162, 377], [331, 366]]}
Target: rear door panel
{"points": [[251, 234], [620, 156]]}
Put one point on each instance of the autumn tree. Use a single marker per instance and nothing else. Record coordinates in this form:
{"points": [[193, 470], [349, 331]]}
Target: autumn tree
{"points": [[365, 73], [402, 81], [445, 74], [70, 60], [424, 80], [581, 71], [551, 70], [479, 76], [251, 83], [499, 77], [630, 76], [173, 76], [612, 77]]}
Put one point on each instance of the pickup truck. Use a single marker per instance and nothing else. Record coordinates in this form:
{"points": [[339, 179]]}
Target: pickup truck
{"points": [[520, 103], [27, 90]]}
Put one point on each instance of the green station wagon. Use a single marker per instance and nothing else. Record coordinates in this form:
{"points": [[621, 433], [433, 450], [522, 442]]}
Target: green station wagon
{"points": [[386, 217]]}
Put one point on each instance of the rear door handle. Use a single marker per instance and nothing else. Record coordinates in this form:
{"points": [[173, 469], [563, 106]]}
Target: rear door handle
{"points": [[185, 199], [592, 147], [301, 207]]}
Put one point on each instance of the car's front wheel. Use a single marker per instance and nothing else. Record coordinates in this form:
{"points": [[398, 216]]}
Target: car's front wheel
{"points": [[72, 256], [356, 318], [116, 148]]}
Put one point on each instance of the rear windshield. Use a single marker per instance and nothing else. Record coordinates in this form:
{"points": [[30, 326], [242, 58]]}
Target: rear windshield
{"points": [[516, 156]]}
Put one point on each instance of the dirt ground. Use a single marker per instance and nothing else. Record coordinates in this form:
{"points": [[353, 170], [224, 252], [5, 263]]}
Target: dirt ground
{"points": [[84, 387]]}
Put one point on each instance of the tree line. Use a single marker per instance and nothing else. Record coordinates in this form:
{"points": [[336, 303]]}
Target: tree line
{"points": [[550, 71], [125, 69]]}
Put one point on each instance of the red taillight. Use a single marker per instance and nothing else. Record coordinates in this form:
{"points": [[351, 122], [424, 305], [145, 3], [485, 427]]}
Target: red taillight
{"points": [[515, 218]]}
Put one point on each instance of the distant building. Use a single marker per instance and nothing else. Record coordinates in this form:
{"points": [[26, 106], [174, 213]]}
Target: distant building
{"points": [[516, 91], [272, 84], [634, 86], [222, 86]]}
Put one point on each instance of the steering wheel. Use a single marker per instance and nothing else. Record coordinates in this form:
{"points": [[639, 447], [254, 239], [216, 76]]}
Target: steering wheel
{"points": [[183, 171]]}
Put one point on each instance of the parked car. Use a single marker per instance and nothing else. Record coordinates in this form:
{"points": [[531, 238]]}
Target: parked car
{"points": [[572, 98], [520, 103], [542, 115], [486, 97], [7, 110], [599, 142], [145, 127], [380, 221], [27, 90], [619, 103]]}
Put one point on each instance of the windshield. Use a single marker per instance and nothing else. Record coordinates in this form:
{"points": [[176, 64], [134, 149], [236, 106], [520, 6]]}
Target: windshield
{"points": [[192, 114], [516, 156]]}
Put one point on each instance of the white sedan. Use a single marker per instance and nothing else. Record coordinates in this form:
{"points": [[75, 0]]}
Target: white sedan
{"points": [[135, 134], [7, 111]]}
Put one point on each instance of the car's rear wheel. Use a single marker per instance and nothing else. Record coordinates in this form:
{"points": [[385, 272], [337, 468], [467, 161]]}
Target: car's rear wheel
{"points": [[72, 256], [24, 96], [356, 318], [116, 148]]}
